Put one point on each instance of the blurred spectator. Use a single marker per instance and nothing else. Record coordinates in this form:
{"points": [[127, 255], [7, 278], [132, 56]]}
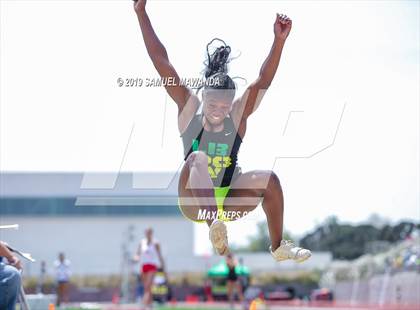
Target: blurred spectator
{"points": [[406, 259], [232, 281], [10, 280], [207, 290], [62, 271], [243, 279], [150, 257], [41, 279]]}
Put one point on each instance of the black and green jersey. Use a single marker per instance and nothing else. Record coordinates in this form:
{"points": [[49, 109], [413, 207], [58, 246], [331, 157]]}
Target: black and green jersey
{"points": [[221, 148]]}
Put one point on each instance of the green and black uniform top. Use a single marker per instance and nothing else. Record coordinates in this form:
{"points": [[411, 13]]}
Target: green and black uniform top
{"points": [[221, 148]]}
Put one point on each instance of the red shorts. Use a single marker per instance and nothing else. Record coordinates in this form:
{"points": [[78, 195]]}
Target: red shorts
{"points": [[148, 268]]}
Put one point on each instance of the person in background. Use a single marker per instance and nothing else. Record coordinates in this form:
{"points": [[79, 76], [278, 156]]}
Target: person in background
{"points": [[10, 280], [207, 290], [232, 281], [150, 257], [41, 279], [243, 279], [62, 273]]}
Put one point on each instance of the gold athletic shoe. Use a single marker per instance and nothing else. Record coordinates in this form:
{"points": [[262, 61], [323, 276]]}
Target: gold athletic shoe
{"points": [[218, 237], [288, 250]]}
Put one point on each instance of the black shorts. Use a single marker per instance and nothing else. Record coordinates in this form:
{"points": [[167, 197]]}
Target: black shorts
{"points": [[232, 278]]}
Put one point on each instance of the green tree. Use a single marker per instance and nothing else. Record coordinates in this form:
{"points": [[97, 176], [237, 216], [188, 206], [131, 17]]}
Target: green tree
{"points": [[350, 241]]}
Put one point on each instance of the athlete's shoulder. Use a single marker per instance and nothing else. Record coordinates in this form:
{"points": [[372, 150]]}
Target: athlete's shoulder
{"points": [[194, 125], [230, 126]]}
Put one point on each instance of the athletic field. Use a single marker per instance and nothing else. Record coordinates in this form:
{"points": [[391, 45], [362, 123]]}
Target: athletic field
{"points": [[225, 306]]}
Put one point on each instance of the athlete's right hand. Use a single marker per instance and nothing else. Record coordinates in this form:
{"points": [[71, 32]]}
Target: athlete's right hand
{"points": [[139, 5]]}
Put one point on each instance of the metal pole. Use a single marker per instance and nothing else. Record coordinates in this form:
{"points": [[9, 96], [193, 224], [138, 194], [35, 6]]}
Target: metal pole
{"points": [[22, 298]]}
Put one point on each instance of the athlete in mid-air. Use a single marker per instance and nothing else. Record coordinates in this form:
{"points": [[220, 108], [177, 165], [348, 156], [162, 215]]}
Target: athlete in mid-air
{"points": [[212, 188]]}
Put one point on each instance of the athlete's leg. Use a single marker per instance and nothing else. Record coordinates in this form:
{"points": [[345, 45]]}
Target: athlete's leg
{"points": [[230, 292], [245, 192], [196, 196], [195, 182], [239, 290], [148, 282], [152, 277], [66, 292], [60, 293], [249, 189], [145, 288]]}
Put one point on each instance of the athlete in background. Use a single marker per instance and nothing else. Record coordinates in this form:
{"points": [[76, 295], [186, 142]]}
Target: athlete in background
{"points": [[150, 258], [232, 281]]}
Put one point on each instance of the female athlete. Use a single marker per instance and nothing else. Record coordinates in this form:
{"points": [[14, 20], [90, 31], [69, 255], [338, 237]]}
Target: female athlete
{"points": [[212, 188]]}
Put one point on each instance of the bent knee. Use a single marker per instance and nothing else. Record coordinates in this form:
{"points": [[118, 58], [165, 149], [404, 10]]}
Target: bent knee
{"points": [[12, 278], [266, 178], [274, 179], [197, 158]]}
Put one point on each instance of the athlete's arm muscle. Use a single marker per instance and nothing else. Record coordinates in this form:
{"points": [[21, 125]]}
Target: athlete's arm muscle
{"points": [[186, 100], [245, 105]]}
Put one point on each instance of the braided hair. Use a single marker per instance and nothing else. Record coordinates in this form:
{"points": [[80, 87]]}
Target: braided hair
{"points": [[216, 70]]}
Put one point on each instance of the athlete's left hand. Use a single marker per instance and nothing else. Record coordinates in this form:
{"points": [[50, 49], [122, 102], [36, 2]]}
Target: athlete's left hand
{"points": [[282, 26]]}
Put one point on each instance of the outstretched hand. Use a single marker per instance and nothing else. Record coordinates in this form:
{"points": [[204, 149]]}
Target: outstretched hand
{"points": [[139, 5], [282, 26]]}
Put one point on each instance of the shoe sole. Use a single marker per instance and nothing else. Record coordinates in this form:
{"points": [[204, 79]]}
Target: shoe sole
{"points": [[218, 227], [300, 260]]}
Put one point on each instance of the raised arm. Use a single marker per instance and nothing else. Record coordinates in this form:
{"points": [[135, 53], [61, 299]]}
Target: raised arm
{"points": [[157, 52], [249, 101]]}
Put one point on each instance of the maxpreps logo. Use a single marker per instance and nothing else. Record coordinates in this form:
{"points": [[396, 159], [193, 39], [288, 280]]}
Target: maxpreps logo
{"points": [[204, 215], [217, 155]]}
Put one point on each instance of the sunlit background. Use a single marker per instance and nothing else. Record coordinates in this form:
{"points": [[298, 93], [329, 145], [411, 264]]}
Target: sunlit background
{"points": [[339, 124]]}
